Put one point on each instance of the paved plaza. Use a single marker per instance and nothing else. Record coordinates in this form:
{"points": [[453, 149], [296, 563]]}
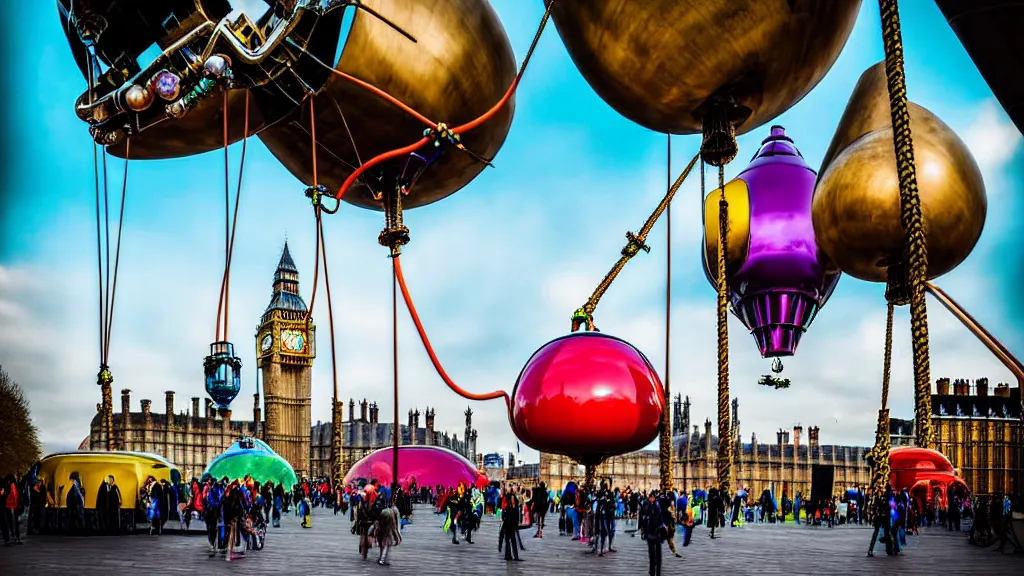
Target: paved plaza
{"points": [[329, 548]]}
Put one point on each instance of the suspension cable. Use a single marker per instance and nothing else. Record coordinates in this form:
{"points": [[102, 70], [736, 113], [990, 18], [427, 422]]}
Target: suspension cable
{"points": [[99, 236], [400, 277], [317, 213], [232, 225], [665, 444], [394, 361], [117, 250]]}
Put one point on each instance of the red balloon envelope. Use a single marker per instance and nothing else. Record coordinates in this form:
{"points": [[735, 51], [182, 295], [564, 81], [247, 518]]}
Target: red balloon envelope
{"points": [[429, 465], [910, 465], [588, 396]]}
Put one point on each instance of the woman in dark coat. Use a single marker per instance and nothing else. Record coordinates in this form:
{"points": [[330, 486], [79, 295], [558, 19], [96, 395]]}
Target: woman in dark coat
{"points": [[159, 503]]}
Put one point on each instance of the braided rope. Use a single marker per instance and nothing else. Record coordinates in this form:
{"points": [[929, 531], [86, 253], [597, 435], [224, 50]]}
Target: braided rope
{"points": [[911, 216], [724, 430], [879, 454], [636, 242]]}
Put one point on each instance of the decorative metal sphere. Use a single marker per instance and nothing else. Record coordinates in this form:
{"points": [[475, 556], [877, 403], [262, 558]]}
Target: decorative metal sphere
{"points": [[428, 465], [167, 85], [659, 62], [777, 281], [856, 207], [588, 396], [223, 374], [216, 66], [138, 98]]}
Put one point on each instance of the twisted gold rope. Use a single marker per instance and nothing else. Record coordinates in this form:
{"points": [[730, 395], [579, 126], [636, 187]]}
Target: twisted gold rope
{"points": [[913, 221]]}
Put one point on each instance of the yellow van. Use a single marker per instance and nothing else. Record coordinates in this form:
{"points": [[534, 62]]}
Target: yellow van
{"points": [[129, 469]]}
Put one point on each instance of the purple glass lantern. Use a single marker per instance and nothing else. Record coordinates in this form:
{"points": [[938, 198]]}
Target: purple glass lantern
{"points": [[779, 282]]}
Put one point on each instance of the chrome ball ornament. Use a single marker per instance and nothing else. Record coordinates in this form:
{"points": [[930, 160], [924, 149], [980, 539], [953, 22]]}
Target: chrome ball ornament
{"points": [[138, 98], [216, 66]]}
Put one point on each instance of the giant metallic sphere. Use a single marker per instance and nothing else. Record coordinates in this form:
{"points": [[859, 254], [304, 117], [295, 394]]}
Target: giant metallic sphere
{"points": [[587, 396], [429, 465], [776, 278], [657, 62], [856, 207], [459, 67]]}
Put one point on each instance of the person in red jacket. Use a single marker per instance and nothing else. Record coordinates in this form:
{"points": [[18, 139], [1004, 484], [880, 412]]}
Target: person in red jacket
{"points": [[8, 515]]}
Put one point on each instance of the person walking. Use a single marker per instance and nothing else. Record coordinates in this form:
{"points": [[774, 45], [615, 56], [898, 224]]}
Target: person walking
{"points": [[881, 512], [654, 532], [540, 508], [9, 522]]}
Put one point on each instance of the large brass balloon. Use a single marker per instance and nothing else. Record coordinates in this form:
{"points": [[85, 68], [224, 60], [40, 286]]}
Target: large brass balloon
{"points": [[856, 206], [657, 62], [459, 67]]}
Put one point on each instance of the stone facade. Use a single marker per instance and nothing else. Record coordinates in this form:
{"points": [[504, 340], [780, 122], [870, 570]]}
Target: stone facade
{"points": [[786, 464], [364, 433], [185, 438], [979, 429]]}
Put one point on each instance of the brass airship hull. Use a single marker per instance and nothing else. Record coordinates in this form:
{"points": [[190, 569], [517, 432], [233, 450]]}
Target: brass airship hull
{"points": [[856, 205], [459, 67], [657, 62]]}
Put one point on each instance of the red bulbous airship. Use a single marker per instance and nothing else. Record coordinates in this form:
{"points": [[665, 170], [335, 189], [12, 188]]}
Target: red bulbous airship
{"points": [[588, 396], [428, 465], [920, 471]]}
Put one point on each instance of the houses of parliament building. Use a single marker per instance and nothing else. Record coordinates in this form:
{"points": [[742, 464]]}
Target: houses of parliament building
{"points": [[978, 427], [286, 348]]}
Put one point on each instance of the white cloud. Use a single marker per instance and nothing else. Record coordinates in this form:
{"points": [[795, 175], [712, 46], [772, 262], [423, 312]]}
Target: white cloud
{"points": [[992, 138]]}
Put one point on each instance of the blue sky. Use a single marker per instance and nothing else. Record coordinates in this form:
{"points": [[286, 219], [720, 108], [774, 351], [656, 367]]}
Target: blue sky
{"points": [[543, 228]]}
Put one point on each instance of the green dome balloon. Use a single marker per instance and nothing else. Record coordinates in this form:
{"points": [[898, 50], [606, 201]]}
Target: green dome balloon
{"points": [[252, 457]]}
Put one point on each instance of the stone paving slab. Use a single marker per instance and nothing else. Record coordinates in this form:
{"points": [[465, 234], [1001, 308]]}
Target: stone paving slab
{"points": [[329, 548]]}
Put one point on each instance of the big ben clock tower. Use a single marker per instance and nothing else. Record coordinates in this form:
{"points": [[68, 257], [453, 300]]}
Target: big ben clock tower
{"points": [[285, 349]]}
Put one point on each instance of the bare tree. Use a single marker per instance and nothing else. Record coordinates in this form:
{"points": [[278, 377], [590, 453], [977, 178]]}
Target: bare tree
{"points": [[19, 438]]}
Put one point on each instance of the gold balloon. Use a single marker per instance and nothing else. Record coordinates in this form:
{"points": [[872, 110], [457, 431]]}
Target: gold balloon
{"points": [[856, 206], [459, 67], [657, 62]]}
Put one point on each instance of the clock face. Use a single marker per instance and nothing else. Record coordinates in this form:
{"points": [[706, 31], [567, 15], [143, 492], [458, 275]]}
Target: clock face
{"points": [[293, 341], [268, 341]]}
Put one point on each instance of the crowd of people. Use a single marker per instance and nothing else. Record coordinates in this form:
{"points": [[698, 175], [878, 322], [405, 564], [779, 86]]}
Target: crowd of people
{"points": [[236, 512]]}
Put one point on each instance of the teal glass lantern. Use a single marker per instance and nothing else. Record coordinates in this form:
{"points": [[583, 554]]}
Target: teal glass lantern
{"points": [[223, 375]]}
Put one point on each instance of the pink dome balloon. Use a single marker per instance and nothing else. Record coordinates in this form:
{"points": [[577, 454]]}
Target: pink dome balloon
{"points": [[429, 465]]}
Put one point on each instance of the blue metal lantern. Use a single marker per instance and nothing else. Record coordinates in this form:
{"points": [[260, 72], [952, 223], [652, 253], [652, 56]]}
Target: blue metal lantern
{"points": [[223, 375]]}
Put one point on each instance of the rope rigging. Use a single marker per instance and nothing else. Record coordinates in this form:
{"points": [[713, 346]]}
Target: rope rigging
{"points": [[911, 217], [316, 195], [724, 460], [230, 219], [665, 447], [107, 283], [584, 315]]}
